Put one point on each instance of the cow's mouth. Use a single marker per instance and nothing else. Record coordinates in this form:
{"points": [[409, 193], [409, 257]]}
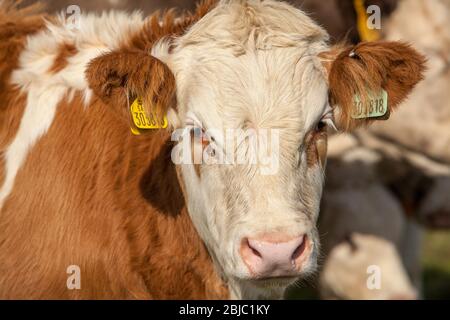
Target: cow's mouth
{"points": [[282, 281]]}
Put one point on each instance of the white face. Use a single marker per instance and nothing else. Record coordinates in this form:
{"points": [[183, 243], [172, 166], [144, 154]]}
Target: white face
{"points": [[256, 215]]}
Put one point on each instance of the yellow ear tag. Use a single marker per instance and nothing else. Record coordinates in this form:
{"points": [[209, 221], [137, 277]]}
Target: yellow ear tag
{"points": [[141, 121], [365, 33], [376, 107]]}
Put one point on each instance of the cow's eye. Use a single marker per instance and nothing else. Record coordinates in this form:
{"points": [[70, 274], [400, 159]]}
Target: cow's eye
{"points": [[326, 121], [202, 137], [205, 139], [210, 146], [321, 125]]}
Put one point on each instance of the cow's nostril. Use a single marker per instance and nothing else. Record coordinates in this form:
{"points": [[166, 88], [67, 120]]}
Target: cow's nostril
{"points": [[253, 250], [274, 255], [299, 251]]}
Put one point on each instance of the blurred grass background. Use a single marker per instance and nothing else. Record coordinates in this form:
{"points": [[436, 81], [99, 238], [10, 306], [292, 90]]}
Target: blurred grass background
{"points": [[436, 265]]}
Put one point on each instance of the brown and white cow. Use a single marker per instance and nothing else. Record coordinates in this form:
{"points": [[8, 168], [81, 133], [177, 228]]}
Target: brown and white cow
{"points": [[78, 189]]}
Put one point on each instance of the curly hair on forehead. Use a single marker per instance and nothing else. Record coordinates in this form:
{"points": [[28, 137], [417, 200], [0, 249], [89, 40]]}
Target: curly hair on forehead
{"points": [[169, 23]]}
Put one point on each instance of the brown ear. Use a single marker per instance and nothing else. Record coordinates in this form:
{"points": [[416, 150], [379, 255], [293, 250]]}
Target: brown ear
{"points": [[370, 67], [114, 75]]}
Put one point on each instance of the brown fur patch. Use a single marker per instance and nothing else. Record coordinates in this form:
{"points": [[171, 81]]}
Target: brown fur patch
{"points": [[316, 148], [65, 51], [112, 206], [11, 10], [15, 26], [393, 66]]}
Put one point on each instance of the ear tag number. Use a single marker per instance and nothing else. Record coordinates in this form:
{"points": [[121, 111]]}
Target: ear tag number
{"points": [[375, 108], [141, 121]]}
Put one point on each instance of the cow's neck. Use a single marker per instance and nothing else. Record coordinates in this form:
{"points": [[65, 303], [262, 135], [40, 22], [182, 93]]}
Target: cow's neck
{"points": [[165, 248]]}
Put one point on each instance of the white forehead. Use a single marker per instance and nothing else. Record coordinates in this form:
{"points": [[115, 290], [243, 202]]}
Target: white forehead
{"points": [[252, 63]]}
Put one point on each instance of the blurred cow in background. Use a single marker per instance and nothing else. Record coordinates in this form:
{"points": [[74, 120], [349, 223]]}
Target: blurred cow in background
{"points": [[382, 185], [374, 188]]}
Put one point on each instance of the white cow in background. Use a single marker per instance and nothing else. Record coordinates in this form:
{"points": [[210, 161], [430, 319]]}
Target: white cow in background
{"points": [[380, 184], [377, 197], [425, 126]]}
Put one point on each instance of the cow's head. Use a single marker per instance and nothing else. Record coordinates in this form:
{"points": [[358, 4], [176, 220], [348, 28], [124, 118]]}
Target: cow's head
{"points": [[256, 78]]}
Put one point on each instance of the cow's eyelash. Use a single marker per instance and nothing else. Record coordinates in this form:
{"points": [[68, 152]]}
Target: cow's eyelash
{"points": [[193, 122], [328, 122], [198, 130], [327, 119]]}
